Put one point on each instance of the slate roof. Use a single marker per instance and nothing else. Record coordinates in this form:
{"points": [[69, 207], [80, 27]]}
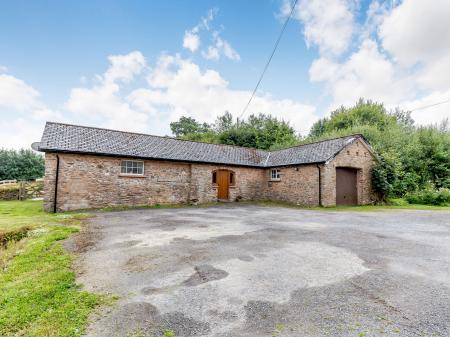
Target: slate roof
{"points": [[58, 137]]}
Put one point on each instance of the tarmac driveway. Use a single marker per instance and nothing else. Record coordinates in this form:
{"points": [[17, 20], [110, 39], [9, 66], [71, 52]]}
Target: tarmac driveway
{"points": [[245, 270]]}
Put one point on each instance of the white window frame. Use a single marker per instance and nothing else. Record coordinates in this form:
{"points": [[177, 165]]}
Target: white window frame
{"points": [[132, 167], [275, 174]]}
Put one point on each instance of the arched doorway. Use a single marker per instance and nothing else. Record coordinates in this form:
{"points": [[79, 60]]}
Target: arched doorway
{"points": [[346, 186], [223, 179]]}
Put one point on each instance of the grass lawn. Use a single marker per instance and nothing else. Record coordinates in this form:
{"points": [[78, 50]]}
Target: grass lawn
{"points": [[38, 293]]}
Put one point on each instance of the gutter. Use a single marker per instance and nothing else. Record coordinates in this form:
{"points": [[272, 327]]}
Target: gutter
{"points": [[55, 197]]}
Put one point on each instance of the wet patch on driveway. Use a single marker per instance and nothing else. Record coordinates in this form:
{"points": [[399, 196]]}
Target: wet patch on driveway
{"points": [[271, 271]]}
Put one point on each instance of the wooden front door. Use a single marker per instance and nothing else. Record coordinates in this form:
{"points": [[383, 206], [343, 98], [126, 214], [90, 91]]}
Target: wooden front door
{"points": [[346, 187], [223, 182]]}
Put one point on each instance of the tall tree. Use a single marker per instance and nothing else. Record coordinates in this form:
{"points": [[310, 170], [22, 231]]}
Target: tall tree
{"points": [[188, 125], [223, 122], [261, 131], [410, 157], [21, 165]]}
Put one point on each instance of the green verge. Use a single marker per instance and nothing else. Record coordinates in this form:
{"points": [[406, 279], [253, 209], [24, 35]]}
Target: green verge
{"points": [[38, 293], [363, 208]]}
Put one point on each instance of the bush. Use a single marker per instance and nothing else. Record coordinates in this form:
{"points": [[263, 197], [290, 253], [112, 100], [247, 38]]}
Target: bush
{"points": [[9, 192], [396, 202], [13, 235], [429, 196]]}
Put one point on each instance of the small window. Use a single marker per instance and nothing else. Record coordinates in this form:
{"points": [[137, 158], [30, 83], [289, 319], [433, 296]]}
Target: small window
{"points": [[275, 174], [231, 178], [132, 167], [214, 178]]}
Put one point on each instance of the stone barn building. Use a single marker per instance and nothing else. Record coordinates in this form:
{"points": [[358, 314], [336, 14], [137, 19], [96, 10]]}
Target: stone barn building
{"points": [[88, 167]]}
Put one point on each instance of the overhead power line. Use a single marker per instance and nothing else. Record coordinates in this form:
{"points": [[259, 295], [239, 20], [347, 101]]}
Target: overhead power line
{"points": [[430, 105], [270, 58]]}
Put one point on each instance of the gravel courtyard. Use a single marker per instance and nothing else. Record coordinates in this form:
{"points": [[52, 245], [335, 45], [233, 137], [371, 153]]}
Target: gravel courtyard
{"points": [[254, 271]]}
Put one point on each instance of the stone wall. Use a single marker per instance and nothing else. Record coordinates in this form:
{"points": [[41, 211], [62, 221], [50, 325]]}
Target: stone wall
{"points": [[49, 181], [298, 184], [358, 156], [87, 181], [249, 183]]}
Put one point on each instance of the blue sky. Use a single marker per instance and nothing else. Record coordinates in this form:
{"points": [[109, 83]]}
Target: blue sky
{"points": [[137, 65]]}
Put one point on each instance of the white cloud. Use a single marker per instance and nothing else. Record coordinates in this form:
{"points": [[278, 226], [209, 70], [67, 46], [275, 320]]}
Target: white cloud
{"points": [[191, 41], [410, 70], [179, 87], [16, 94], [3, 69], [175, 87], [434, 114], [46, 114], [220, 47], [20, 132], [103, 103], [367, 73], [374, 17], [435, 75], [124, 67], [327, 24], [22, 114], [417, 31], [416, 35]]}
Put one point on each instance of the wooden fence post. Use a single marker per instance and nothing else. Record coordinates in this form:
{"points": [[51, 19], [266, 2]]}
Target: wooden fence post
{"points": [[21, 190]]}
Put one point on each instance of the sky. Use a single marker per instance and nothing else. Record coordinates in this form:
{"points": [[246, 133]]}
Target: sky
{"points": [[139, 65]]}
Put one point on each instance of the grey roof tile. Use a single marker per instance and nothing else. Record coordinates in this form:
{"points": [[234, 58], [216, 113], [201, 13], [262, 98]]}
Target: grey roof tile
{"points": [[309, 153], [58, 137]]}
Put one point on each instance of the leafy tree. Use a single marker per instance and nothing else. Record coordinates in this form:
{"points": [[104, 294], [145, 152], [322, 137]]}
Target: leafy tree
{"points": [[382, 176], [363, 113], [410, 157], [224, 122], [188, 125], [21, 165], [259, 131]]}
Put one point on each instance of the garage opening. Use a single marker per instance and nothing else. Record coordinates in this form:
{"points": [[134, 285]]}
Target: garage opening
{"points": [[346, 186]]}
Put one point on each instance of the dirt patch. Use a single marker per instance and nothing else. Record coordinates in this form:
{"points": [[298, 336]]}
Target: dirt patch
{"points": [[140, 263], [86, 239]]}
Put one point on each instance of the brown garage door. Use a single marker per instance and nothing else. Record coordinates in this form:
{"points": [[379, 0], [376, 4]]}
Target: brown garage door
{"points": [[346, 190]]}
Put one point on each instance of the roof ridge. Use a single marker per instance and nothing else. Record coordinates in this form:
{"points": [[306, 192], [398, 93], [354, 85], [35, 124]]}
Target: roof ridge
{"points": [[319, 141], [149, 135], [200, 142], [71, 137]]}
